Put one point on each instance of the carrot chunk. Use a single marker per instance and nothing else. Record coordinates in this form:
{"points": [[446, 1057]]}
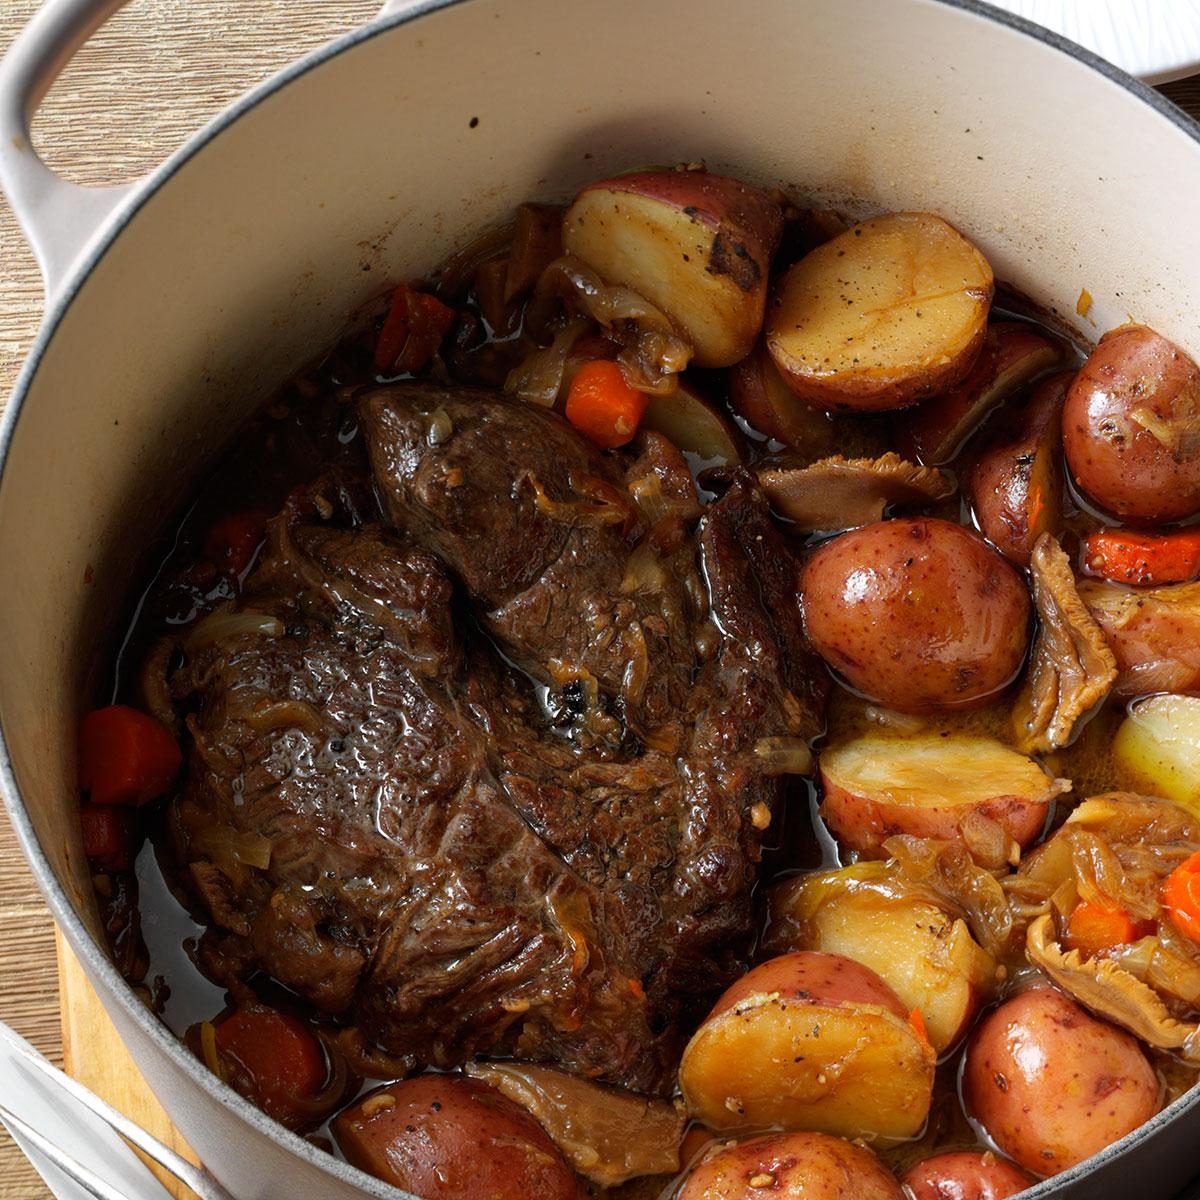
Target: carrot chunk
{"points": [[603, 406], [109, 836], [1181, 897], [276, 1060], [1145, 559], [125, 756], [412, 331], [1093, 927]]}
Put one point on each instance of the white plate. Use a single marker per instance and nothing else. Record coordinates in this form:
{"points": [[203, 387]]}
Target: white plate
{"points": [[1157, 40]]}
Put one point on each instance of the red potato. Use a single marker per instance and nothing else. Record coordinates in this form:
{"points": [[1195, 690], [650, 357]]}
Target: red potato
{"points": [[1154, 633], [925, 785], [697, 246], [809, 1041], [1015, 484], [694, 425], [920, 615], [923, 953], [1013, 354], [444, 1137], [1052, 1085], [886, 314], [791, 1166], [1131, 427], [761, 398], [965, 1175]]}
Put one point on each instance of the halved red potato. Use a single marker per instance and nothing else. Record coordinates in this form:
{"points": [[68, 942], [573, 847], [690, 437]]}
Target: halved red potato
{"points": [[920, 615], [965, 1175], [887, 313], [923, 953], [694, 425], [809, 1041], [876, 786], [697, 246], [1013, 354], [1015, 484], [761, 398], [791, 1166], [449, 1138], [1154, 633], [1131, 427], [1052, 1085]]}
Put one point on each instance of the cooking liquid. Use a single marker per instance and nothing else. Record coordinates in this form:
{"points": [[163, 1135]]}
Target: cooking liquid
{"points": [[311, 424]]}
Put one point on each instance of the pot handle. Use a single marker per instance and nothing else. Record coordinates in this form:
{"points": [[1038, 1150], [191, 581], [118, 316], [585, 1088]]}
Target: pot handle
{"points": [[59, 218]]}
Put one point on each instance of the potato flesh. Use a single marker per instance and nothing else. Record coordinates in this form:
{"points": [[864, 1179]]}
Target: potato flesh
{"points": [[935, 772], [1157, 749], [888, 305], [660, 252], [927, 957], [856, 1070]]}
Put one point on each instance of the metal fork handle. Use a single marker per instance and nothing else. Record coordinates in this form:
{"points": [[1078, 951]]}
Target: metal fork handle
{"points": [[196, 1178], [70, 1167]]}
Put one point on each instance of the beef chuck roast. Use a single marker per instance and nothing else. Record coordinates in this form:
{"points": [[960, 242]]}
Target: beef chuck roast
{"points": [[540, 528], [387, 817]]}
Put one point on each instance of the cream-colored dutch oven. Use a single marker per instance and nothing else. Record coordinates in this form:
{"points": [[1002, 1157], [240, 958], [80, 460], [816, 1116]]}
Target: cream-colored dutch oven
{"points": [[174, 307]]}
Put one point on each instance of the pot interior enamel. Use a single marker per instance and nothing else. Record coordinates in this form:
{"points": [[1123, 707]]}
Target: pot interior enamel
{"points": [[388, 150]]}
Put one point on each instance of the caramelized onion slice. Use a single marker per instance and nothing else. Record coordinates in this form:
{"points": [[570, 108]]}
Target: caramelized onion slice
{"points": [[538, 379], [227, 623]]}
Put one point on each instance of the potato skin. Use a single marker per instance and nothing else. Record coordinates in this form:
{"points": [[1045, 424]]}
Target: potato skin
{"points": [[924, 954], [965, 1175], [760, 397], [1123, 466], [864, 824], [918, 614], [1052, 1085], [886, 314], [695, 245], [444, 1137], [809, 1041], [813, 975], [1015, 484], [791, 1166], [1013, 355]]}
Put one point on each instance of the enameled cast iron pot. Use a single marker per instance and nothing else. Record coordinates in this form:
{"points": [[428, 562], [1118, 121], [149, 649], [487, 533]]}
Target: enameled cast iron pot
{"points": [[175, 306]]}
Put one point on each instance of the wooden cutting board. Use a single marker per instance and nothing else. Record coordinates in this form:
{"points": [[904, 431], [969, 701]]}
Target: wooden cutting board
{"points": [[96, 1056]]}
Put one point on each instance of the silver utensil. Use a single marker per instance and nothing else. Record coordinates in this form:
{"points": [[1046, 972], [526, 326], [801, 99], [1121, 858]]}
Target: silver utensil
{"points": [[56, 1121]]}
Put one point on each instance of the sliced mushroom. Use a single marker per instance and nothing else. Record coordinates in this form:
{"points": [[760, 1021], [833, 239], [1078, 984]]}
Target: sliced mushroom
{"points": [[1073, 669], [607, 1136], [844, 493], [1110, 991]]}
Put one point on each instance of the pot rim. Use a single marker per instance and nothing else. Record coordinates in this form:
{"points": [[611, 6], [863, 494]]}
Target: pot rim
{"points": [[95, 958]]}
